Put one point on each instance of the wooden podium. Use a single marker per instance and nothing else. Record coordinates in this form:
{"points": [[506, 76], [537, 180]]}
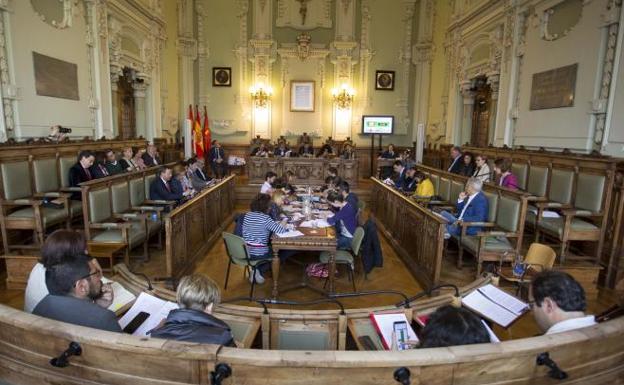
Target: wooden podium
{"points": [[306, 170]]}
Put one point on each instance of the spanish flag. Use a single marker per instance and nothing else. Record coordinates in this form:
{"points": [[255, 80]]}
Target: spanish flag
{"points": [[207, 138], [197, 133]]}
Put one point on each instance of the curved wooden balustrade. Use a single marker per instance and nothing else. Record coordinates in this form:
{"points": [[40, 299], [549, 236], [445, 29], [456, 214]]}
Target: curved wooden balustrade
{"points": [[592, 355]]}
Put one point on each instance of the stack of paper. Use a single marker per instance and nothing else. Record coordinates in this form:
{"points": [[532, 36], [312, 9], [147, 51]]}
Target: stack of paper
{"points": [[290, 234], [157, 309], [495, 305], [315, 224], [121, 296]]}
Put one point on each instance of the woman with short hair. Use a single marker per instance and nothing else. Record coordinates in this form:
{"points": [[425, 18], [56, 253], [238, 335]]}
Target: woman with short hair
{"points": [[451, 326], [502, 168], [482, 171], [197, 295]]}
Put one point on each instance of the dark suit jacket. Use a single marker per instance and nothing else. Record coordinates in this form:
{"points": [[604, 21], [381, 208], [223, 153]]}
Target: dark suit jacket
{"points": [[77, 175], [410, 185], [77, 311], [212, 155], [280, 152], [388, 155], [117, 168], [149, 161], [98, 172], [477, 211], [353, 199], [401, 179], [158, 191], [456, 165]]}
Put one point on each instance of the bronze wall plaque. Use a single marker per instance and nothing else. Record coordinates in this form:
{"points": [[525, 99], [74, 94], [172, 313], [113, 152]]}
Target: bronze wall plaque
{"points": [[554, 88], [56, 78]]}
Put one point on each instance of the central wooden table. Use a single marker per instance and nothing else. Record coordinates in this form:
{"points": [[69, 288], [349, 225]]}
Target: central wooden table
{"points": [[313, 240]]}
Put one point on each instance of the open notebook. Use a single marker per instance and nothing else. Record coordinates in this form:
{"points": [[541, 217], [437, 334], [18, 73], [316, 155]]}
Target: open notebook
{"points": [[494, 304]]}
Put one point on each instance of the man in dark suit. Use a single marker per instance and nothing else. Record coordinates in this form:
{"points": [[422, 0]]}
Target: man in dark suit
{"points": [[401, 179], [472, 206], [216, 157], [99, 170], [199, 179], [150, 158], [456, 164], [161, 188], [410, 180], [80, 172], [74, 285], [281, 150]]}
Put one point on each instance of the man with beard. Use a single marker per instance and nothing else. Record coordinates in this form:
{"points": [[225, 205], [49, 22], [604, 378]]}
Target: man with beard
{"points": [[74, 286]]}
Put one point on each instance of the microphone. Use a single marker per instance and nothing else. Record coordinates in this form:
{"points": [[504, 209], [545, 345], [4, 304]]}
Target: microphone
{"points": [[456, 301], [404, 303], [149, 283]]}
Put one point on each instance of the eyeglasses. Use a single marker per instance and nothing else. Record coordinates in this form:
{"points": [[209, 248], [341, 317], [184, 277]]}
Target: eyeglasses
{"points": [[97, 272]]}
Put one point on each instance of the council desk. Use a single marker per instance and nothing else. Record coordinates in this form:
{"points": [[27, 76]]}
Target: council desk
{"points": [[305, 170]]}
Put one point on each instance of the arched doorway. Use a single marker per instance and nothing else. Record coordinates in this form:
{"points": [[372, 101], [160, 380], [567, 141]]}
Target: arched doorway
{"points": [[481, 113], [126, 119]]}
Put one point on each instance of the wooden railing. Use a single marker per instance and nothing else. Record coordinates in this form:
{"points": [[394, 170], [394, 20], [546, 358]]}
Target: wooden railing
{"points": [[193, 227], [415, 233]]}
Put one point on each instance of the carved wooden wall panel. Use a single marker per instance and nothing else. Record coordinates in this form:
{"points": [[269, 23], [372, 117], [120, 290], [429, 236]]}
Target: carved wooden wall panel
{"points": [[305, 170]]}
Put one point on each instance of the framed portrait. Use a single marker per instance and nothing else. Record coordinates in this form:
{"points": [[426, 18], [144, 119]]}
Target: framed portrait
{"points": [[384, 80], [302, 95], [222, 76]]}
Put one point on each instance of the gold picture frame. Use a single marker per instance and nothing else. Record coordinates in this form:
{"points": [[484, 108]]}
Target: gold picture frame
{"points": [[302, 95]]}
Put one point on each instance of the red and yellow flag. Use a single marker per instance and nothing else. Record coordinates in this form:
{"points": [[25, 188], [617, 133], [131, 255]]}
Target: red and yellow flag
{"points": [[207, 140], [197, 134]]}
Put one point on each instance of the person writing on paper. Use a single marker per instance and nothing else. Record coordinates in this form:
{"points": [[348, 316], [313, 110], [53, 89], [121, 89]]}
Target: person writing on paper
{"points": [[257, 229], [345, 219], [74, 286], [472, 206], [451, 326], [267, 186], [424, 189], [559, 302], [59, 246], [197, 295]]}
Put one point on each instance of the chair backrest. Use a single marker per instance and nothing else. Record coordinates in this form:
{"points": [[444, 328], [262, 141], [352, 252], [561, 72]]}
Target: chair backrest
{"points": [[120, 197], [589, 192], [508, 214], [46, 175], [16, 180], [492, 205], [137, 191], [148, 182], [444, 191], [99, 205], [520, 170], [65, 163], [357, 240], [561, 183], [435, 179], [236, 249], [361, 205], [456, 189], [541, 256], [538, 181], [313, 335]]}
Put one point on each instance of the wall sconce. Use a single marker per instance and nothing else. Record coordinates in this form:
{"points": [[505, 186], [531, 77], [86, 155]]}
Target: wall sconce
{"points": [[261, 95], [343, 97]]}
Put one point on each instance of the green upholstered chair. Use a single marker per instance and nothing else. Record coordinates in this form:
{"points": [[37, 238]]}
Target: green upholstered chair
{"points": [[105, 226], [65, 163], [537, 186], [237, 252], [521, 171], [347, 257], [120, 198], [21, 210], [443, 193], [48, 184], [435, 180], [584, 220], [502, 238]]}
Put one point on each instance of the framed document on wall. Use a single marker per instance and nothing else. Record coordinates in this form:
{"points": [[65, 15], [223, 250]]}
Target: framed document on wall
{"points": [[302, 95]]}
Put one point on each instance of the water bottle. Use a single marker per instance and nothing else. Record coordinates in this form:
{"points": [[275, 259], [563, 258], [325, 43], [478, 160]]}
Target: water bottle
{"points": [[518, 267], [154, 216]]}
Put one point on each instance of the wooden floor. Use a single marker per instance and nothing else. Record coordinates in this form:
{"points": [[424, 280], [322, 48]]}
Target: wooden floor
{"points": [[393, 276]]}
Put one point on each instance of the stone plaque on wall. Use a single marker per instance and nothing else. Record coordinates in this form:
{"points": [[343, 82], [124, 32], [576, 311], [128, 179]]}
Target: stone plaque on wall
{"points": [[554, 88], [56, 78]]}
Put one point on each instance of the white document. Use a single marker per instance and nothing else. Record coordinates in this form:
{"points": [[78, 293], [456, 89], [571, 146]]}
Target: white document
{"points": [[315, 224], [495, 305], [157, 308], [290, 234], [121, 296], [545, 213], [384, 323], [505, 300]]}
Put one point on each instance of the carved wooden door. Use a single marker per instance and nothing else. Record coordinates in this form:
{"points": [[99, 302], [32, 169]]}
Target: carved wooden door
{"points": [[125, 112], [481, 115]]}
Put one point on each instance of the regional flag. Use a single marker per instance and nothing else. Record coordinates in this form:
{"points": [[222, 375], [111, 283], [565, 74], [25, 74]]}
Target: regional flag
{"points": [[207, 140], [197, 134]]}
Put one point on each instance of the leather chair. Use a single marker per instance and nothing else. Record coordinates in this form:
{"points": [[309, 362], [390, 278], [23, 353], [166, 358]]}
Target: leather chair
{"points": [[521, 171], [47, 184], [139, 194], [537, 187], [347, 257], [443, 193], [21, 210], [120, 195]]}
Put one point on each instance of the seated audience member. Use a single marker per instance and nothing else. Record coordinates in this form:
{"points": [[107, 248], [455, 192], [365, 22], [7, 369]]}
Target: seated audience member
{"points": [[472, 206], [267, 186], [162, 189], [281, 150], [74, 286], [482, 171], [261, 151], [347, 152], [400, 180], [59, 245], [343, 189], [257, 229], [216, 157], [456, 160], [197, 295], [425, 189], [345, 219], [410, 180], [325, 151], [55, 135], [332, 171], [468, 165], [126, 161], [389, 153], [112, 164], [99, 170], [452, 326], [289, 179], [150, 157], [277, 201], [306, 150], [80, 172], [198, 177], [138, 159], [181, 182], [559, 302], [502, 168]]}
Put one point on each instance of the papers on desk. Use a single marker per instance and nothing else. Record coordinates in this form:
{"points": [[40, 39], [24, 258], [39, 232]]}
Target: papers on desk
{"points": [[121, 296], [545, 213], [157, 309], [495, 305], [290, 234], [384, 323], [315, 224], [389, 181]]}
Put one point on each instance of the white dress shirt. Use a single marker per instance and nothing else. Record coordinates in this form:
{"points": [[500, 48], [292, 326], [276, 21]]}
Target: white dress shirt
{"points": [[36, 288], [571, 324], [470, 198], [266, 188]]}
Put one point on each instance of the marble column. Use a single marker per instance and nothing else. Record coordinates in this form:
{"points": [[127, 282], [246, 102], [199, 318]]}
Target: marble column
{"points": [[140, 117], [114, 103], [468, 96]]}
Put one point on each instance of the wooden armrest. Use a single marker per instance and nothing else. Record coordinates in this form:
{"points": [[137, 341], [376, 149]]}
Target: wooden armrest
{"points": [[480, 224], [579, 213], [110, 225], [71, 189], [496, 234], [147, 208], [52, 195], [159, 202], [553, 205], [22, 202], [130, 216], [533, 198]]}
